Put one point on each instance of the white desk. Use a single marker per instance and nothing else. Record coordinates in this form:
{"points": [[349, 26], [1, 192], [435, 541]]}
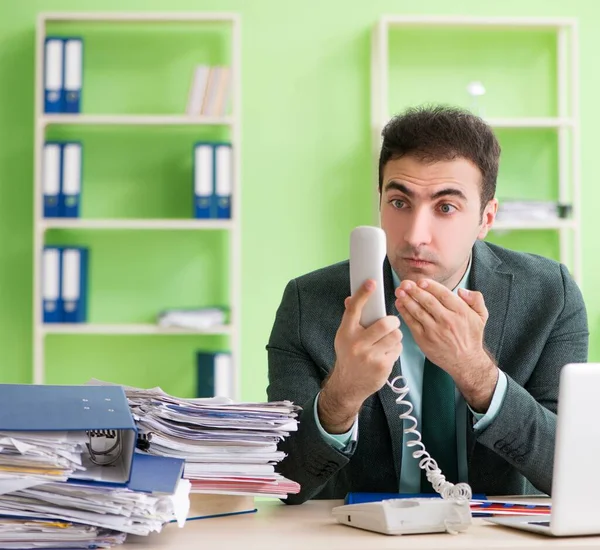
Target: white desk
{"points": [[310, 526]]}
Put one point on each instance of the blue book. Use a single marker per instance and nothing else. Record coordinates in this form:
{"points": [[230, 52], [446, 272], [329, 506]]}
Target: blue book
{"points": [[223, 182], [101, 412], [203, 179], [70, 192], [214, 374], [359, 498], [73, 71], [51, 178], [51, 283], [53, 74], [74, 287]]}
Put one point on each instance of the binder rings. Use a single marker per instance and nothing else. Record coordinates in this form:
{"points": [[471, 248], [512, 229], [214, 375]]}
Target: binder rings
{"points": [[71, 180], [73, 68], [74, 284], [100, 412], [51, 178], [51, 268], [223, 179], [203, 179], [53, 75]]}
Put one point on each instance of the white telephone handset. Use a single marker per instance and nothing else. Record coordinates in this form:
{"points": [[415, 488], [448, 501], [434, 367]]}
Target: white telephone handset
{"points": [[367, 254]]}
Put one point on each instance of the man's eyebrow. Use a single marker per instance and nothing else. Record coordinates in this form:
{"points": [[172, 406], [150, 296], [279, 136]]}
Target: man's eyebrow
{"points": [[447, 192]]}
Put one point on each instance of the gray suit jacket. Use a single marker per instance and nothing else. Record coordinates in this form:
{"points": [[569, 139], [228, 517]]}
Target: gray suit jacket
{"points": [[537, 324]]}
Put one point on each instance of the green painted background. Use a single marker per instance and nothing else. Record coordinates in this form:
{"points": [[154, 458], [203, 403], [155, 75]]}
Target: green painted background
{"points": [[306, 166]]}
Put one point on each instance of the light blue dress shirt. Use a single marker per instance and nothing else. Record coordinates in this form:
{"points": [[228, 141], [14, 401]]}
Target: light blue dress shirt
{"points": [[413, 361]]}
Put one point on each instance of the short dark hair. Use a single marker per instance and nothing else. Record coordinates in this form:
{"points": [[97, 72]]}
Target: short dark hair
{"points": [[437, 133]]}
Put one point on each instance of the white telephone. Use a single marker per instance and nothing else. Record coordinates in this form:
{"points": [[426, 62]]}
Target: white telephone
{"points": [[400, 516]]}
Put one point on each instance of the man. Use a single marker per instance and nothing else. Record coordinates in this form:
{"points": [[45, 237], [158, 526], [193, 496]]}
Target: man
{"points": [[479, 332]]}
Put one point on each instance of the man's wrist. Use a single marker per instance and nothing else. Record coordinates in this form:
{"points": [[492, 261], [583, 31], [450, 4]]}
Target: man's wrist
{"points": [[480, 383], [336, 413]]}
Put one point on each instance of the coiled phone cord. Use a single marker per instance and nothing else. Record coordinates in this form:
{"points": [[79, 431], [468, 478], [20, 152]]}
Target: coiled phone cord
{"points": [[447, 490]]}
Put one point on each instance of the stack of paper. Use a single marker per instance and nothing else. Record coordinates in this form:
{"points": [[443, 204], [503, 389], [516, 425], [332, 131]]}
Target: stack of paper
{"points": [[228, 447], [195, 319], [41, 455], [105, 508]]}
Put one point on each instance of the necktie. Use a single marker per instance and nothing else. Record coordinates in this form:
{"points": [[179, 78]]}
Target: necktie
{"points": [[438, 422]]}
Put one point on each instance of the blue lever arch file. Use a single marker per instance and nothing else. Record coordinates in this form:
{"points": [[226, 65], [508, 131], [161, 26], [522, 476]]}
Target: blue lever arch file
{"points": [[73, 63], [203, 179], [101, 412], [155, 474], [51, 283], [53, 74], [70, 191], [223, 180], [74, 285], [51, 178]]}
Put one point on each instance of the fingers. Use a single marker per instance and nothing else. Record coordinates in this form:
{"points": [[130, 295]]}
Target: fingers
{"points": [[475, 300], [391, 343], [442, 294], [355, 303]]}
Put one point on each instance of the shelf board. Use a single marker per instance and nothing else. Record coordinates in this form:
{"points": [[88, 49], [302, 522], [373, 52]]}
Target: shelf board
{"points": [[136, 120], [147, 328], [477, 21], [530, 122], [126, 17], [121, 224], [500, 225]]}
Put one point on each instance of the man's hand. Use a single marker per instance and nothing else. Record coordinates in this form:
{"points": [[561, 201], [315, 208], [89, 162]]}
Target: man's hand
{"points": [[364, 360], [449, 330]]}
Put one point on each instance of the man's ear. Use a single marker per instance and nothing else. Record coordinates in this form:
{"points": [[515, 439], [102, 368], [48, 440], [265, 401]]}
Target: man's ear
{"points": [[487, 218]]}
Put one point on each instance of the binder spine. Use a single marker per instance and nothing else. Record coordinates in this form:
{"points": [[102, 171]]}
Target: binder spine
{"points": [[203, 179], [51, 179], [73, 63], [71, 181], [223, 180], [75, 285], [53, 75], [213, 374], [51, 285]]}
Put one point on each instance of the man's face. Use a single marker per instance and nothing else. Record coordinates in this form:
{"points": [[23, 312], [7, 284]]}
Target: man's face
{"points": [[431, 216]]}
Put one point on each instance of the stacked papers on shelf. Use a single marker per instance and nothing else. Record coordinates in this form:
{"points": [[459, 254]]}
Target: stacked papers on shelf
{"points": [[197, 319]]}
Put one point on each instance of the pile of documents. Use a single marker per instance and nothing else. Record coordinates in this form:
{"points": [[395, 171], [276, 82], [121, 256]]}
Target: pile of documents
{"points": [[529, 211], [70, 476], [228, 447], [195, 319]]}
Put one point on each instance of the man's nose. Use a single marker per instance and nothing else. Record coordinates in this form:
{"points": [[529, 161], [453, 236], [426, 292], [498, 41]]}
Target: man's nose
{"points": [[418, 231]]}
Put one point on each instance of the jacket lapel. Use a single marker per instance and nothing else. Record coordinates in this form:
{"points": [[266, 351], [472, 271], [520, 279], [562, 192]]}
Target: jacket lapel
{"points": [[386, 395], [495, 283]]}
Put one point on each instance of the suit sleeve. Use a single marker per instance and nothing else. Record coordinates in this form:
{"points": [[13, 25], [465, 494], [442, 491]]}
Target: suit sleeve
{"points": [[310, 459], [524, 430]]}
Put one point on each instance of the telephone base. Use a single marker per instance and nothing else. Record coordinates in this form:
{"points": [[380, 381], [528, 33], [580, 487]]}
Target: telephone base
{"points": [[407, 516]]}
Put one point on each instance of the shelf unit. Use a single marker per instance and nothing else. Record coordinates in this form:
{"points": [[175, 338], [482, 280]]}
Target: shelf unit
{"points": [[566, 123], [233, 225]]}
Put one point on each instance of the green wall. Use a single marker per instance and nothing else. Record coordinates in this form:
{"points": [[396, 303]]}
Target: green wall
{"points": [[306, 166]]}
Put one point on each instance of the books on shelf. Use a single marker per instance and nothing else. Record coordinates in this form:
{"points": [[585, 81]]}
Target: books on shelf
{"points": [[63, 74], [527, 211], [64, 284], [214, 374], [210, 91], [213, 179], [61, 178]]}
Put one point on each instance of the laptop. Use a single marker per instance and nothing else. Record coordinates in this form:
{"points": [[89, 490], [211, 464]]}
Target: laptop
{"points": [[575, 481]]}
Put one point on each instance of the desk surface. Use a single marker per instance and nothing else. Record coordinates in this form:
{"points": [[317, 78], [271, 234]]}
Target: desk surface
{"points": [[310, 526]]}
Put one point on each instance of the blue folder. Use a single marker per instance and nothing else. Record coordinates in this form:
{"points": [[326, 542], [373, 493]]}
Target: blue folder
{"points": [[359, 498], [155, 474], [100, 411]]}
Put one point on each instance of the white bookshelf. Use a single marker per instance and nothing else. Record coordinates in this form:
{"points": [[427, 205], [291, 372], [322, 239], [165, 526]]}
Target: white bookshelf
{"points": [[232, 225], [566, 123], [135, 120]]}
